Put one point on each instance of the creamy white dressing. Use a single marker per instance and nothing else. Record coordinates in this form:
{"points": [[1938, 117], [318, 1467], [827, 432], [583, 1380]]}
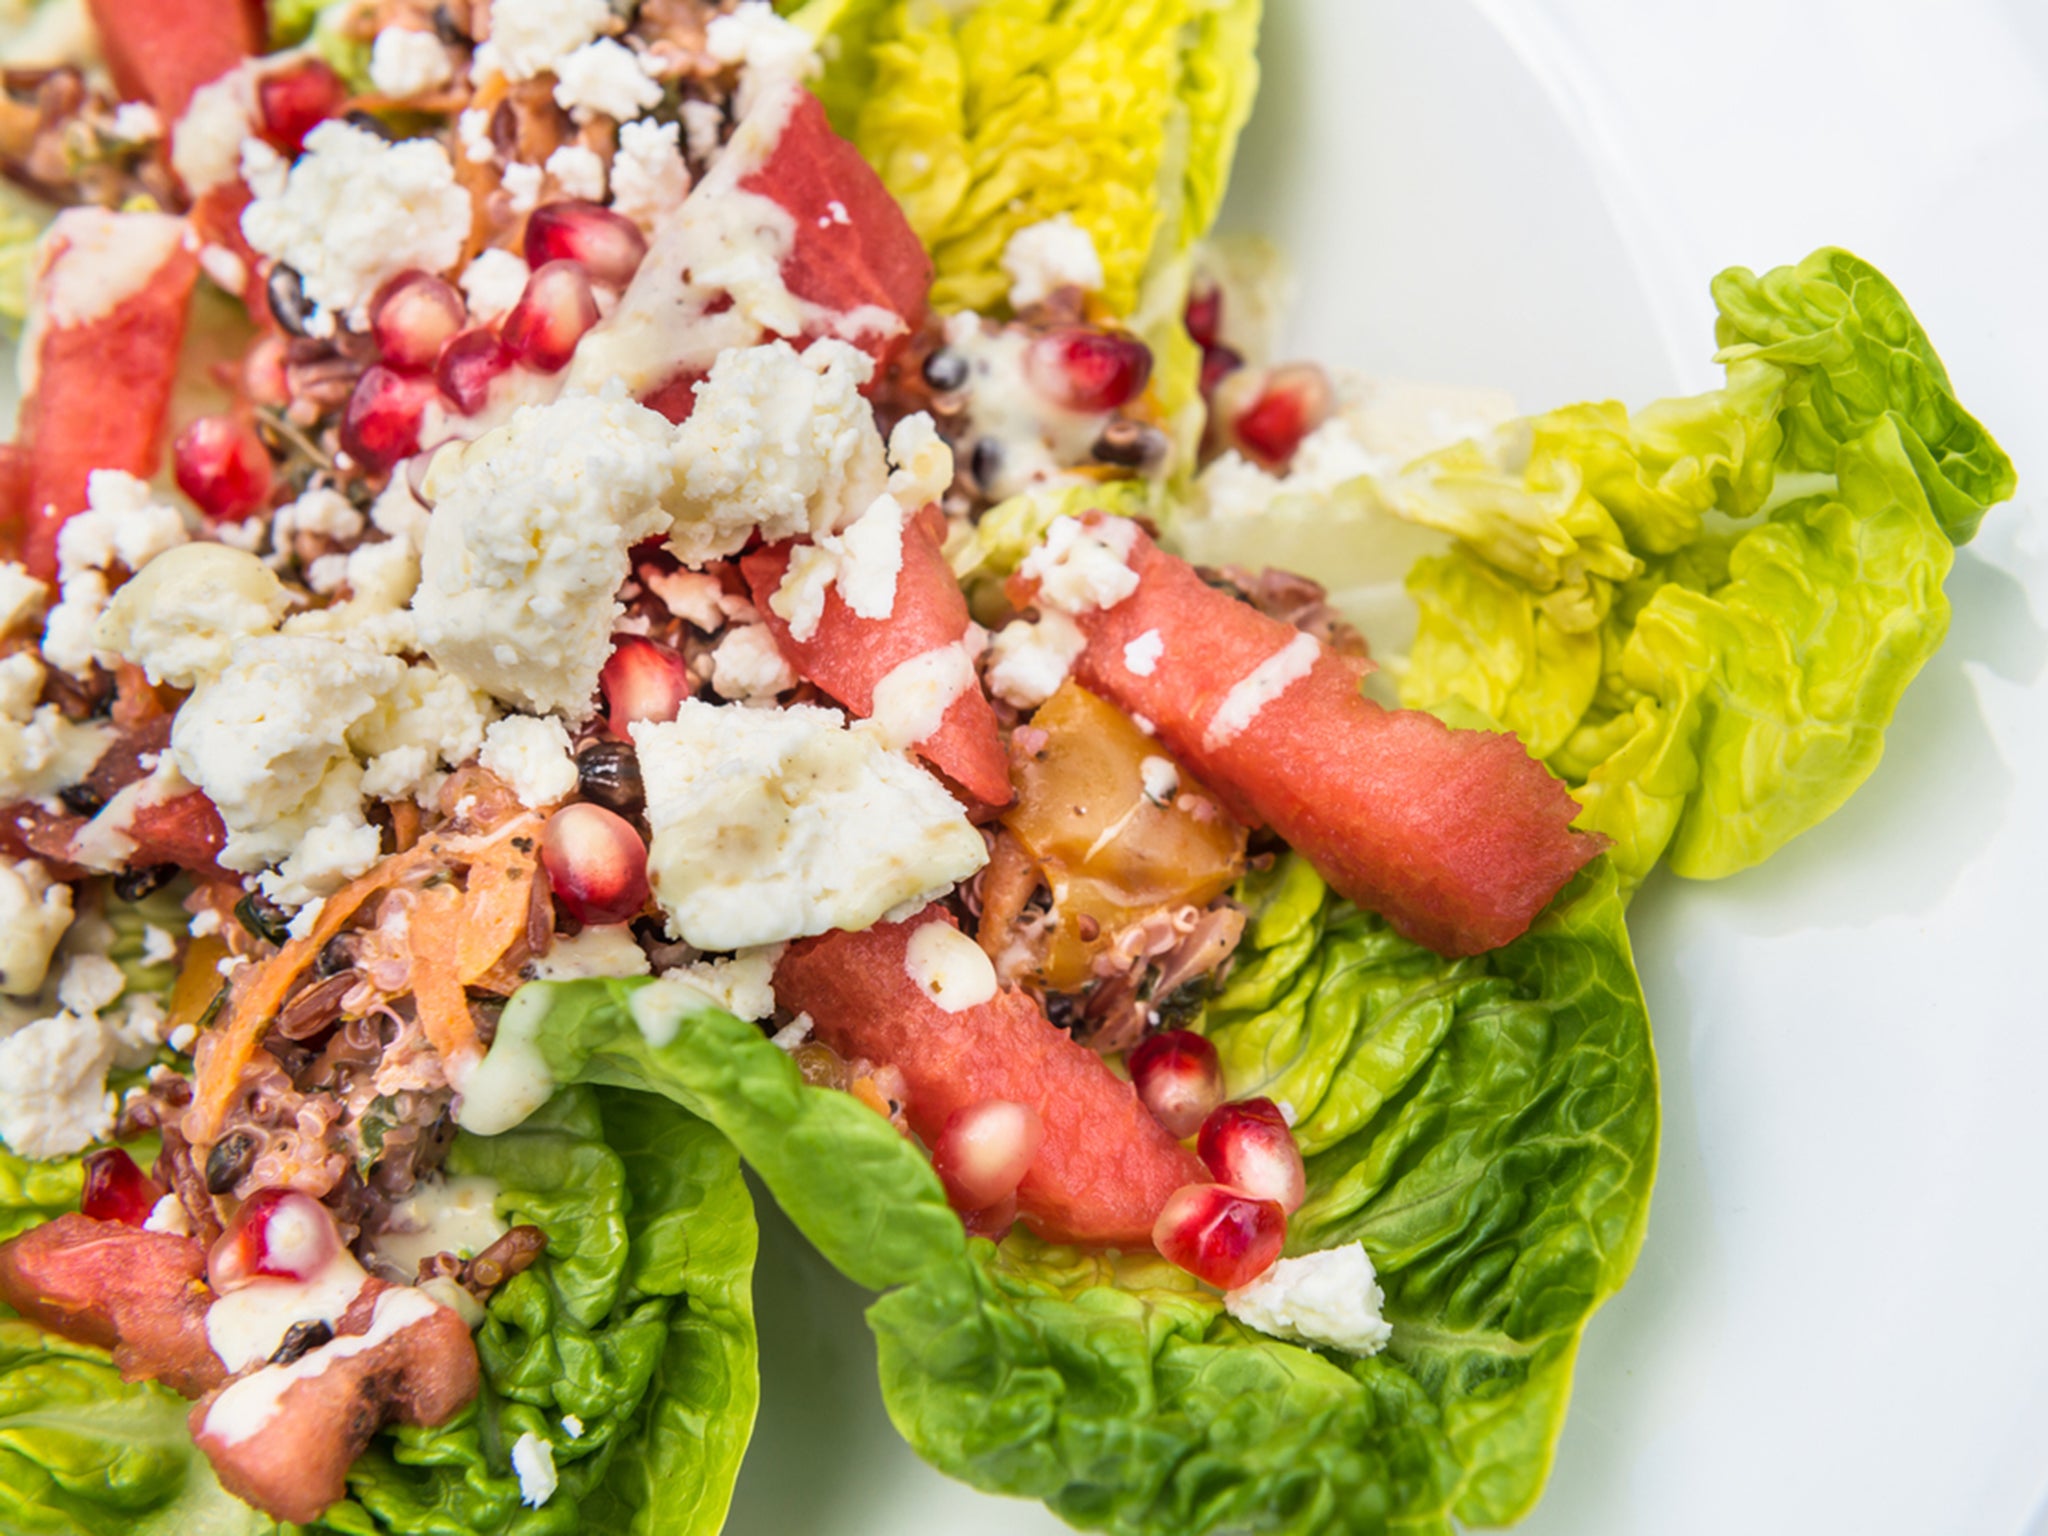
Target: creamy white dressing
{"points": [[244, 1407], [911, 700], [949, 967], [457, 1214], [1258, 688], [1033, 439], [513, 1079], [246, 1325]]}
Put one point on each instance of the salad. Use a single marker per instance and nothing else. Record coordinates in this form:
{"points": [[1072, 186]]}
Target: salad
{"points": [[598, 593]]}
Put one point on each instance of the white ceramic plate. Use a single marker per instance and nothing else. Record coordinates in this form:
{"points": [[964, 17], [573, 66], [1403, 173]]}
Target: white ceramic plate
{"points": [[1836, 1323]]}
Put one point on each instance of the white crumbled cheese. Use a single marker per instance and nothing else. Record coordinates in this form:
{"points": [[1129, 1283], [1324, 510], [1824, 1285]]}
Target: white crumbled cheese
{"points": [[68, 631], [912, 698], [223, 268], [1046, 257], [1160, 778], [21, 685], [605, 78], [137, 1030], [407, 61], [1258, 688], [793, 1034], [357, 210], [320, 510], [53, 1086], [529, 37], [266, 738], [781, 443], [572, 1426], [703, 127], [695, 597], [949, 968], [579, 172], [742, 984], [603, 949], [92, 260], [534, 1460], [528, 546], [522, 184], [1027, 662], [123, 524], [35, 910], [204, 925], [920, 462], [1330, 1298], [649, 175], [430, 719], [327, 857], [90, 984], [863, 563], [492, 283], [182, 614], [48, 752], [159, 945], [21, 596], [168, 1215], [769, 50], [773, 824], [267, 173], [473, 133], [747, 664], [534, 757], [206, 143], [1141, 656], [1079, 568], [137, 122], [324, 577], [307, 918]]}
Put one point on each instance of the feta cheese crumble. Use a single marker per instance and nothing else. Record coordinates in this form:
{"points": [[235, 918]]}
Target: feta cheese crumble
{"points": [[357, 210], [1080, 568], [53, 1086], [1141, 656], [528, 37], [534, 1460], [1027, 662], [21, 596], [603, 949], [769, 50], [492, 283], [1046, 257], [748, 664], [579, 172], [775, 824], [742, 984], [533, 756], [649, 175], [407, 61], [180, 617], [1160, 778], [604, 78], [34, 912], [206, 143], [1330, 1299]]}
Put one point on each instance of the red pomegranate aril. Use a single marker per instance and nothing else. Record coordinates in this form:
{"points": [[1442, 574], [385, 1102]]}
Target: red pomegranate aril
{"points": [[1177, 1075], [1087, 370], [469, 366], [608, 246], [278, 1234], [551, 316], [1293, 402], [413, 318], [223, 466], [1248, 1145], [1220, 1235], [1204, 314], [117, 1190], [292, 102], [263, 371], [643, 680], [992, 1222], [596, 864], [382, 422], [1218, 363], [985, 1150]]}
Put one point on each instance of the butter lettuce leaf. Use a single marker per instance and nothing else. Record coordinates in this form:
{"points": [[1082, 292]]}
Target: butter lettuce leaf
{"points": [[1702, 615], [985, 118], [1500, 1175]]}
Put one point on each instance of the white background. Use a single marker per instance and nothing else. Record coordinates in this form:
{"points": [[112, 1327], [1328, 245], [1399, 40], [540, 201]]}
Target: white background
{"points": [[1839, 1322]]}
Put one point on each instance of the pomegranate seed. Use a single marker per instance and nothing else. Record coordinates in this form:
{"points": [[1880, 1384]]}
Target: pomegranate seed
{"points": [[382, 422], [413, 317], [609, 246], [1218, 363], [643, 680], [551, 316], [1292, 403], [1086, 370], [985, 1150], [469, 365], [278, 1233], [1220, 1235], [1248, 1145], [1204, 316], [117, 1190], [1177, 1075], [596, 864], [223, 466], [992, 1222], [294, 101], [263, 371]]}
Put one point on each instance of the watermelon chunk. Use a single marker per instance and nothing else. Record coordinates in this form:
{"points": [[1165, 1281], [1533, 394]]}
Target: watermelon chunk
{"points": [[1106, 1166], [106, 357], [848, 655], [1457, 838], [186, 831], [854, 249], [165, 50]]}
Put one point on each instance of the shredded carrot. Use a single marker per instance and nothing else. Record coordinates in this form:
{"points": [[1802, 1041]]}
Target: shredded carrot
{"points": [[434, 934], [405, 825], [494, 909]]}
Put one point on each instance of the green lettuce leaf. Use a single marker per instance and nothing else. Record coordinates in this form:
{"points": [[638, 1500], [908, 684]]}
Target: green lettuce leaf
{"points": [[989, 117], [1500, 1177], [1702, 616]]}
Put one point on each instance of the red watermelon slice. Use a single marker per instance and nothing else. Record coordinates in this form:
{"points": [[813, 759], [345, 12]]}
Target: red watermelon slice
{"points": [[164, 50], [1458, 838], [1106, 1166], [848, 655]]}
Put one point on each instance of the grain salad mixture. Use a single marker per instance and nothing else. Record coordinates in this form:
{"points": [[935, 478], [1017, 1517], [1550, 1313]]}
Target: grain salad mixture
{"points": [[593, 591]]}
